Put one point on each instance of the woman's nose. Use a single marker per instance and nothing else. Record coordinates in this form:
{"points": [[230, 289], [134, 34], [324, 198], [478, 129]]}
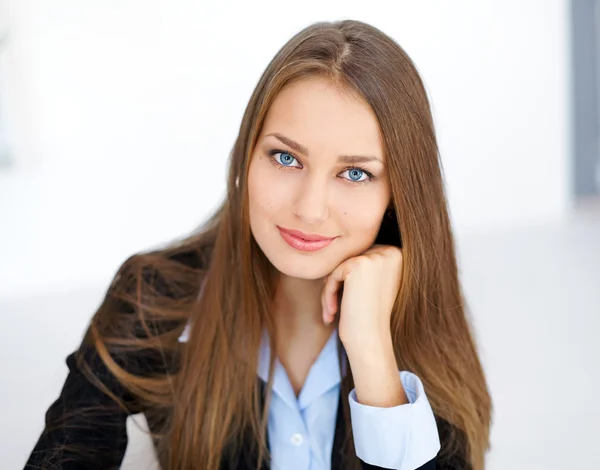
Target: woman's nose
{"points": [[311, 203]]}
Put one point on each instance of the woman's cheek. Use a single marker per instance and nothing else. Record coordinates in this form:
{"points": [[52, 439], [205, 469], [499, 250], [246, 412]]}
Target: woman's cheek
{"points": [[269, 191], [362, 213]]}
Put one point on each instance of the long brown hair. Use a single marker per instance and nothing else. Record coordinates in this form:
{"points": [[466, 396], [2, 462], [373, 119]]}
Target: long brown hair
{"points": [[211, 403]]}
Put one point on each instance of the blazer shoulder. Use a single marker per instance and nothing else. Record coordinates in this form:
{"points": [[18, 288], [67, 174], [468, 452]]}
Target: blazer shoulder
{"points": [[85, 426]]}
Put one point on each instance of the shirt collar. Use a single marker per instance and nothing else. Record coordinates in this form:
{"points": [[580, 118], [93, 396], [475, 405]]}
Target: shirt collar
{"points": [[322, 377]]}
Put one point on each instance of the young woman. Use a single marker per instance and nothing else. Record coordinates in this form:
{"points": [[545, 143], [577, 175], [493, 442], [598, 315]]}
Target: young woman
{"points": [[316, 321]]}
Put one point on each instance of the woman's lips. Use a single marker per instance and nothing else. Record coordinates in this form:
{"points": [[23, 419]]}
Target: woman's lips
{"points": [[303, 241]]}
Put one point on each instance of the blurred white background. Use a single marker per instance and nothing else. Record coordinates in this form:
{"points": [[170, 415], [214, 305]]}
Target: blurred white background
{"points": [[121, 115]]}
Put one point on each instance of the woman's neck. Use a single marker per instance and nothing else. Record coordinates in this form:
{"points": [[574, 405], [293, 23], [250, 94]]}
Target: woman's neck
{"points": [[297, 306], [301, 333]]}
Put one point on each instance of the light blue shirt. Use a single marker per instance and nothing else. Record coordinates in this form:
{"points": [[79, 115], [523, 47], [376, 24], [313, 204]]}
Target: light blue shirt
{"points": [[301, 430]]}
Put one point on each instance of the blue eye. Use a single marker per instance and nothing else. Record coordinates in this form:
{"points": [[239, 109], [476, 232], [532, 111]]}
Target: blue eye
{"points": [[285, 159], [356, 174], [282, 159]]}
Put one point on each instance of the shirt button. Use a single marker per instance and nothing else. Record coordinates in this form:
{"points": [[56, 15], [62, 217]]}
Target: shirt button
{"points": [[297, 439]]}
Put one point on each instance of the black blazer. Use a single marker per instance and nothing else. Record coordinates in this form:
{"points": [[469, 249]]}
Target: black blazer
{"points": [[99, 440], [85, 428]]}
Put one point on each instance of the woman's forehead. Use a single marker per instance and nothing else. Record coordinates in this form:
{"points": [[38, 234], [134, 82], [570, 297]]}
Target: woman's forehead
{"points": [[324, 119]]}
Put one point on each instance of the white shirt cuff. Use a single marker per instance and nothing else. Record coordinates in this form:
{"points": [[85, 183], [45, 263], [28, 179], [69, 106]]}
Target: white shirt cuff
{"points": [[403, 437]]}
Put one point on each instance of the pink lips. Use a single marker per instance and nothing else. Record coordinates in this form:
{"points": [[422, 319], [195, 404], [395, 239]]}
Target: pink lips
{"points": [[304, 241]]}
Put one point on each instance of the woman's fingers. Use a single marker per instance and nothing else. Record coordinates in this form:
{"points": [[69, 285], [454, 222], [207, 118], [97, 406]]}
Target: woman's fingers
{"points": [[329, 298]]}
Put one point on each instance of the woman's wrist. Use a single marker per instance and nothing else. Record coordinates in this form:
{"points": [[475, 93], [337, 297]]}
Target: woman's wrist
{"points": [[375, 372]]}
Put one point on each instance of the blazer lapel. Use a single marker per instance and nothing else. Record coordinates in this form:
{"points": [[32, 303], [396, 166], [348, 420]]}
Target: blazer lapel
{"points": [[337, 452]]}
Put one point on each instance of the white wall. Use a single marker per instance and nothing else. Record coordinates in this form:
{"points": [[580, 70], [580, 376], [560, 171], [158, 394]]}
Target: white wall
{"points": [[124, 113]]}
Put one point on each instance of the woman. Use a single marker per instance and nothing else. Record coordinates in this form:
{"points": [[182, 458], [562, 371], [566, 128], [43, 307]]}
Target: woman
{"points": [[302, 326]]}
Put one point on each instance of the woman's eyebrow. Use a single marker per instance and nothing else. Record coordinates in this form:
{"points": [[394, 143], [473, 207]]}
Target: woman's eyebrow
{"points": [[301, 149]]}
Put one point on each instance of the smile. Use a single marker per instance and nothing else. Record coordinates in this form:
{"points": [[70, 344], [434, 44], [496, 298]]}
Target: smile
{"points": [[304, 241]]}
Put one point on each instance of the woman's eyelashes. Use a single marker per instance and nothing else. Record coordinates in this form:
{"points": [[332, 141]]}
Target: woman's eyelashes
{"points": [[284, 158], [353, 174], [358, 175]]}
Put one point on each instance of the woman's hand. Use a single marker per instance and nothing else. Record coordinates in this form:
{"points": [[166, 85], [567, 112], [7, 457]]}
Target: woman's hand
{"points": [[370, 286]]}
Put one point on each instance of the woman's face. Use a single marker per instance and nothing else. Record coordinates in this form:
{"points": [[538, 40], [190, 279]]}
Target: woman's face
{"points": [[317, 183]]}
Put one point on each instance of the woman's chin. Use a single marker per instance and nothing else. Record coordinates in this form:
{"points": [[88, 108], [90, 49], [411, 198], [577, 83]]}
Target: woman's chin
{"points": [[303, 270]]}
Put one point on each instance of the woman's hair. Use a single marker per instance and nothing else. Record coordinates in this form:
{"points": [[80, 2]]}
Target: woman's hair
{"points": [[211, 402]]}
